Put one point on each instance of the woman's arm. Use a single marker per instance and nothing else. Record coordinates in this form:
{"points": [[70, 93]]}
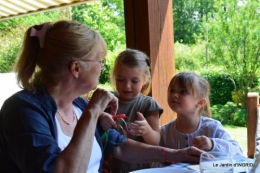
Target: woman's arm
{"points": [[75, 157], [136, 152]]}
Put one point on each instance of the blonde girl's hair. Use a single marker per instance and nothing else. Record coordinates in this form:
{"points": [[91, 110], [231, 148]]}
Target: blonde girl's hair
{"points": [[133, 58], [65, 41], [198, 86]]}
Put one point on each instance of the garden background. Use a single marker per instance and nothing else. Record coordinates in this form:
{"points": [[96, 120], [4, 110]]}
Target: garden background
{"points": [[219, 40]]}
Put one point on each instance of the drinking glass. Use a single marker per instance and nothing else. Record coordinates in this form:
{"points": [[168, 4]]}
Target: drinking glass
{"points": [[216, 162]]}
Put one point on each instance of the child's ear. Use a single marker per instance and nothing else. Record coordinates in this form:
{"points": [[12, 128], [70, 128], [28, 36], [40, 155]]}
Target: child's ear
{"points": [[202, 102]]}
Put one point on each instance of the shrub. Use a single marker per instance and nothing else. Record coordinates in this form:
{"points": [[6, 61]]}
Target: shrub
{"points": [[229, 114], [221, 86], [240, 117], [187, 57], [8, 58]]}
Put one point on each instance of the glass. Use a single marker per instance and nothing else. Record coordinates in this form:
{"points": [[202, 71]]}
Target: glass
{"points": [[256, 165], [101, 62], [216, 162]]}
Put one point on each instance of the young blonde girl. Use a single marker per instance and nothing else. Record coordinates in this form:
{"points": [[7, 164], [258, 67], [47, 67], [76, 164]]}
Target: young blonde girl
{"points": [[131, 79], [188, 96]]}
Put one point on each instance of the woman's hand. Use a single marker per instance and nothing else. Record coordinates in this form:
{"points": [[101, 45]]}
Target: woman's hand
{"points": [[106, 121], [102, 99], [190, 154], [202, 142]]}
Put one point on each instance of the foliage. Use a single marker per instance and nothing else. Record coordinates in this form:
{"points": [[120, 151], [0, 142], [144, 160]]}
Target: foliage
{"points": [[257, 89], [221, 86], [229, 114], [110, 59], [8, 57], [240, 117], [189, 57], [107, 18], [188, 16], [12, 32], [11, 39], [184, 59], [236, 96], [234, 37], [107, 21]]}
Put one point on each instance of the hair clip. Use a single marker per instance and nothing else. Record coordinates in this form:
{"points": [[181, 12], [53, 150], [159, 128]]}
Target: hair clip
{"points": [[148, 61], [40, 33]]}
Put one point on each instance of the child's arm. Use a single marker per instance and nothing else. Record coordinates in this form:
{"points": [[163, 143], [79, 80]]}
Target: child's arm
{"points": [[147, 128], [224, 143], [106, 121], [221, 140]]}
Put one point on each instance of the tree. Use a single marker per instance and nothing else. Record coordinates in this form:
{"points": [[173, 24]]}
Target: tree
{"points": [[12, 32], [188, 15], [234, 42], [107, 18]]}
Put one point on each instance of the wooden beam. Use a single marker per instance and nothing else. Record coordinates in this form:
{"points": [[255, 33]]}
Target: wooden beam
{"points": [[149, 28], [252, 107]]}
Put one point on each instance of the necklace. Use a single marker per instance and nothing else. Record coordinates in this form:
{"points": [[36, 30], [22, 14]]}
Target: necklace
{"points": [[65, 121]]}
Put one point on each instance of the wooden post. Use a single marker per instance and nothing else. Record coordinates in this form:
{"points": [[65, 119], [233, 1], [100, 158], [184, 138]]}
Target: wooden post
{"points": [[149, 28], [252, 106]]}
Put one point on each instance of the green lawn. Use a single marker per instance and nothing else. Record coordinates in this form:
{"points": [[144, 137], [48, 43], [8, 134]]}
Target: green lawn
{"points": [[239, 134]]}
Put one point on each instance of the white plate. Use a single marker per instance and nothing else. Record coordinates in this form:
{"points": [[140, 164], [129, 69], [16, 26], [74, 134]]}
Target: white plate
{"points": [[163, 170]]}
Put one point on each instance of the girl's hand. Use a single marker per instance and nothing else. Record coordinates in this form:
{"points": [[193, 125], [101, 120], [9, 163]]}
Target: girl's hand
{"points": [[139, 127], [202, 142], [106, 121]]}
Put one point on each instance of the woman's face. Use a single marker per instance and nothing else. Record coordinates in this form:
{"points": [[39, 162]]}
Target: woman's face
{"points": [[129, 82], [93, 70]]}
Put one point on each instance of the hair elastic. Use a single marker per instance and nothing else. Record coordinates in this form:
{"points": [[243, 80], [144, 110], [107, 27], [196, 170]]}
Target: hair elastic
{"points": [[148, 61], [40, 33], [165, 157]]}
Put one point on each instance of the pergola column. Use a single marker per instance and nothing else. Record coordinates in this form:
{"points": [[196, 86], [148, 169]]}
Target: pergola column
{"points": [[149, 28]]}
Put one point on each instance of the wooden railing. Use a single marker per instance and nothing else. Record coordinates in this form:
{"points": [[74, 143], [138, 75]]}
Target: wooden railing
{"points": [[252, 109]]}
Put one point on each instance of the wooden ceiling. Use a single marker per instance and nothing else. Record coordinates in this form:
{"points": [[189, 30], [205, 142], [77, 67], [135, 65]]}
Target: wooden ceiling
{"points": [[15, 8]]}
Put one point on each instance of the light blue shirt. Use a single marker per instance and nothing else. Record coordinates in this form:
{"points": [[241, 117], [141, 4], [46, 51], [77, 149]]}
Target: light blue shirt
{"points": [[222, 141]]}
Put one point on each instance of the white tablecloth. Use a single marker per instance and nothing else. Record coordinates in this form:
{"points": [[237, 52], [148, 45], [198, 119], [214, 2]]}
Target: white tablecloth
{"points": [[241, 165]]}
